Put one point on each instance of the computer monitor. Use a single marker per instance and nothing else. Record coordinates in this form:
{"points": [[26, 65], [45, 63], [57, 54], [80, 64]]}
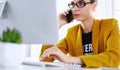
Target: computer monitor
{"points": [[35, 19]]}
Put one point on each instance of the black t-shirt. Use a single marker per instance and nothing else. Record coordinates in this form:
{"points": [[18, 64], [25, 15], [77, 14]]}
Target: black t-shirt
{"points": [[87, 43]]}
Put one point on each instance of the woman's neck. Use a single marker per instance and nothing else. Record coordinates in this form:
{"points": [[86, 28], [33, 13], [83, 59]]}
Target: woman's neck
{"points": [[87, 25]]}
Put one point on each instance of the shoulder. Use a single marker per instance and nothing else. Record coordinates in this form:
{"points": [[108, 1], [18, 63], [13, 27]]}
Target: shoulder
{"points": [[74, 28], [109, 22], [73, 31], [109, 19]]}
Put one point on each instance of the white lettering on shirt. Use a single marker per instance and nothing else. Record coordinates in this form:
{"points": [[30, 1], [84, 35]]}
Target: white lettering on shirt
{"points": [[87, 49]]}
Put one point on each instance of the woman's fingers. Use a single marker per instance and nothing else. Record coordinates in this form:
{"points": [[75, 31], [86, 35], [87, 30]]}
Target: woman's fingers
{"points": [[56, 53], [48, 52], [65, 12], [62, 18]]}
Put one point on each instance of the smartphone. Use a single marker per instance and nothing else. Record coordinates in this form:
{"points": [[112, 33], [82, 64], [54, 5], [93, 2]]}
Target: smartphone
{"points": [[69, 16]]}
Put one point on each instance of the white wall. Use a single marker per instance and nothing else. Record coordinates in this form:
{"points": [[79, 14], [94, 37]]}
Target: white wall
{"points": [[104, 9]]}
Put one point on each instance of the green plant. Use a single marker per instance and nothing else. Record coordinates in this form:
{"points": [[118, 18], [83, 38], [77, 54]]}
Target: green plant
{"points": [[11, 35]]}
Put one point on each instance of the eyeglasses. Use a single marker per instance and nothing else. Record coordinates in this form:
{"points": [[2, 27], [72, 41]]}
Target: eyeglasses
{"points": [[79, 4]]}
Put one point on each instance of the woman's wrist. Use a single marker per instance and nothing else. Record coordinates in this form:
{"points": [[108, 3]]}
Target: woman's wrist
{"points": [[77, 60]]}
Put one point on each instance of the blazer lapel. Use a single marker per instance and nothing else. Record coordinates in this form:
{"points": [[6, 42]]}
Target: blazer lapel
{"points": [[79, 43], [95, 35]]}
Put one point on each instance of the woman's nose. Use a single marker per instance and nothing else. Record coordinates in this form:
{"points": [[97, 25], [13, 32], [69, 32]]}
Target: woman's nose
{"points": [[75, 8]]}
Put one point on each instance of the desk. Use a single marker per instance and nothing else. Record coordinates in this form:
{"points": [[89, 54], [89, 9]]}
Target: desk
{"points": [[24, 67], [27, 67]]}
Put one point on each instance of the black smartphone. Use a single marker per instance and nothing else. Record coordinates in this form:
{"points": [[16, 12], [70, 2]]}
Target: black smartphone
{"points": [[69, 16]]}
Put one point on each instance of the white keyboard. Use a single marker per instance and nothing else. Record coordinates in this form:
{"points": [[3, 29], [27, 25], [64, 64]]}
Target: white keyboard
{"points": [[53, 64], [39, 63]]}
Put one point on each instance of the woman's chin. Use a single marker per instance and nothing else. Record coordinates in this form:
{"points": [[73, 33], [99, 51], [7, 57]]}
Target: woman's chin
{"points": [[79, 19]]}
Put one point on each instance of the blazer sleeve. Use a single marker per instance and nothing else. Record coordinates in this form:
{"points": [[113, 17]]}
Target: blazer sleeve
{"points": [[111, 56]]}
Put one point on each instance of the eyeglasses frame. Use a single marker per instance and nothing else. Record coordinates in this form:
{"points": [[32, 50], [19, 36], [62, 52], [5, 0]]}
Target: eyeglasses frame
{"points": [[85, 3]]}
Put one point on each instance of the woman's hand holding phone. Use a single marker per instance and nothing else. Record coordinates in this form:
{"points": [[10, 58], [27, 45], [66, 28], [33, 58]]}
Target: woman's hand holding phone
{"points": [[65, 17]]}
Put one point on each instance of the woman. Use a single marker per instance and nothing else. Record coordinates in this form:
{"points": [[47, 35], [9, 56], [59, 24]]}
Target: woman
{"points": [[92, 43]]}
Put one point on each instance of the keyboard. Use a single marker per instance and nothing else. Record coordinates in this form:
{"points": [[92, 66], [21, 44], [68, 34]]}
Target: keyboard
{"points": [[51, 64], [40, 63]]}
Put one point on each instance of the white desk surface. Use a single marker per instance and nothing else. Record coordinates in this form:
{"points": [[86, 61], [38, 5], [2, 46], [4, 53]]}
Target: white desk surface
{"points": [[27, 67]]}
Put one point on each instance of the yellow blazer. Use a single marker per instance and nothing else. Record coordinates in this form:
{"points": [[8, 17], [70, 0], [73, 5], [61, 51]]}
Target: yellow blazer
{"points": [[105, 43]]}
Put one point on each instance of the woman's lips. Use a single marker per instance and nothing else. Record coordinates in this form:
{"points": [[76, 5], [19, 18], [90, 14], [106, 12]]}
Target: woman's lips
{"points": [[76, 15]]}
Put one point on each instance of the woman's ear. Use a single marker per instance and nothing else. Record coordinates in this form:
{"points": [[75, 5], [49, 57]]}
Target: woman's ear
{"points": [[94, 6]]}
